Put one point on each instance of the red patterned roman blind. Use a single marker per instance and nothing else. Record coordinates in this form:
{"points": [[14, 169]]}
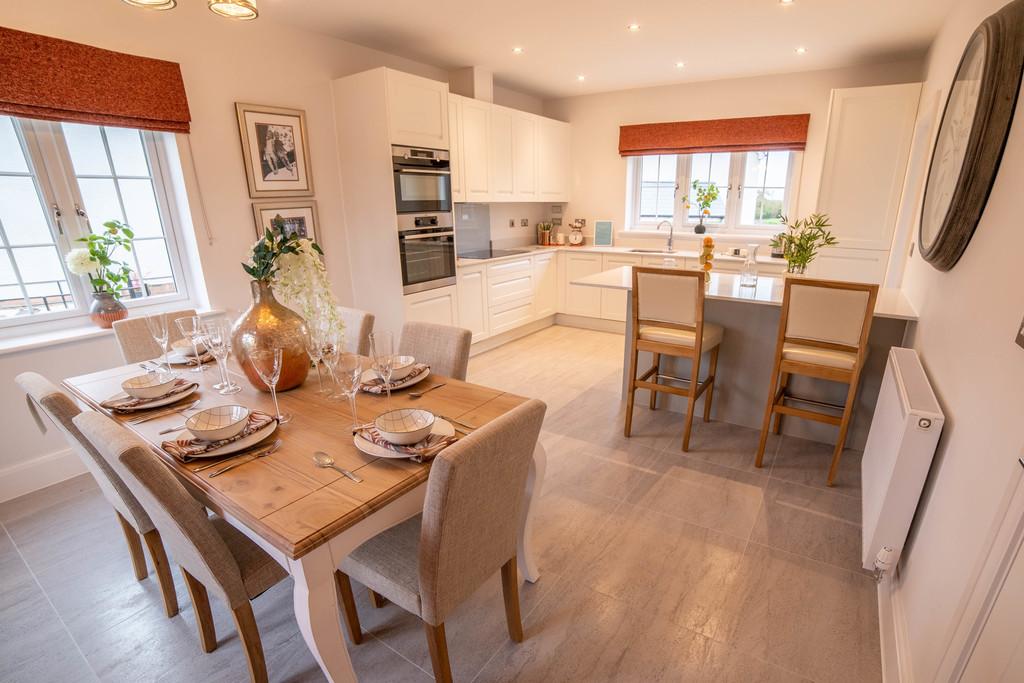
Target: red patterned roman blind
{"points": [[750, 134], [58, 80]]}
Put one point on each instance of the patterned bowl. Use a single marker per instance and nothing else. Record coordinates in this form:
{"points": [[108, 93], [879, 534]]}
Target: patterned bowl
{"points": [[219, 422], [405, 426], [184, 347], [150, 385], [402, 367]]}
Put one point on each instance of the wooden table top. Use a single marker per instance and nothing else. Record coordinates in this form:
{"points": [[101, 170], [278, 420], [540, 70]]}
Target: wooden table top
{"points": [[284, 497]]}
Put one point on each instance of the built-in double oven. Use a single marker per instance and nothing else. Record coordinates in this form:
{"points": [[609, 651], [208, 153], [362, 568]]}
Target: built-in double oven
{"points": [[426, 231]]}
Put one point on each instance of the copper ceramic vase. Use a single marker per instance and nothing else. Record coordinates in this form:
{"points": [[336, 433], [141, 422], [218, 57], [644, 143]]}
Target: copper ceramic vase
{"points": [[106, 310], [268, 324]]}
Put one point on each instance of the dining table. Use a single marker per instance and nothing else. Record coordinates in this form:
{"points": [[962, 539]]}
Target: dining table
{"points": [[309, 518]]}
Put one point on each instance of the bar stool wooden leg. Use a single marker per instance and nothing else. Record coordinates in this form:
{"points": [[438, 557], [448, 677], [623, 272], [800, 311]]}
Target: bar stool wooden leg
{"points": [[844, 426], [694, 382], [783, 381], [711, 387], [768, 410], [131, 537], [631, 398], [654, 378]]}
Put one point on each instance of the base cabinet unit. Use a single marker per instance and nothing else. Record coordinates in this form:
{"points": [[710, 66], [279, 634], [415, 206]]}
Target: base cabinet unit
{"points": [[850, 265], [510, 281], [581, 300], [545, 282], [471, 285], [613, 301], [511, 315], [433, 306]]}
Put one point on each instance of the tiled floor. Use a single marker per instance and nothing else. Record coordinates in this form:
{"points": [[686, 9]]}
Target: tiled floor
{"points": [[656, 565]]}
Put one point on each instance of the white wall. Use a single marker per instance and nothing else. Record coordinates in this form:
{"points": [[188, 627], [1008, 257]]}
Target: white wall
{"points": [[598, 189], [969, 317]]}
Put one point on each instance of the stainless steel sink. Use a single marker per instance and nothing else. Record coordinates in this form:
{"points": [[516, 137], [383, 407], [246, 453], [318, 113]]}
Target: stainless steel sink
{"points": [[651, 251]]}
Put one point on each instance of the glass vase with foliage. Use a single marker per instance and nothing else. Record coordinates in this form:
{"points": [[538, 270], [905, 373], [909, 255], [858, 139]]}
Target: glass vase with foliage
{"points": [[704, 196], [802, 240]]}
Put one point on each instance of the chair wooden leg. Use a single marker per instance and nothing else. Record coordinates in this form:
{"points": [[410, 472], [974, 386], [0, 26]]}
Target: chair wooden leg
{"points": [[438, 645], [844, 426], [769, 409], [783, 381], [510, 590], [201, 606], [131, 537], [694, 382], [348, 607], [376, 599], [163, 571], [654, 394], [245, 622], [631, 398], [712, 369]]}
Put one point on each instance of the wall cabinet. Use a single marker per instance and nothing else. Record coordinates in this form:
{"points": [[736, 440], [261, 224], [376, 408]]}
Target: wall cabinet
{"points": [[582, 300], [433, 306], [501, 158], [545, 281], [475, 118], [524, 156], [471, 285], [553, 160], [417, 110], [455, 147], [613, 301]]}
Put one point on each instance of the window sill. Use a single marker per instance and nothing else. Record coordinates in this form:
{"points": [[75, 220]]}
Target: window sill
{"points": [[759, 237]]}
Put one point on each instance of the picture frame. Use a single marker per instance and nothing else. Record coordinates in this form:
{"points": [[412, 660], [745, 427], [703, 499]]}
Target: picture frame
{"points": [[603, 233], [301, 216], [275, 149]]}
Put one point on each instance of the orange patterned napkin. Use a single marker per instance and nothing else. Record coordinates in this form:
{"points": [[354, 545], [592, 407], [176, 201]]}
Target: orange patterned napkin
{"points": [[123, 403], [420, 452], [186, 449], [376, 385]]}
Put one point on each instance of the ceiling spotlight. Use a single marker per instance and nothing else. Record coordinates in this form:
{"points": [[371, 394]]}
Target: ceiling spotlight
{"points": [[801, 50], [785, 2], [680, 65], [581, 78], [634, 27], [234, 9], [152, 4], [517, 50]]}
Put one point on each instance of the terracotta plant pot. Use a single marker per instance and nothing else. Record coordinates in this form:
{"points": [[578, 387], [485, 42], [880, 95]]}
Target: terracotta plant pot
{"points": [[268, 324], [106, 310]]}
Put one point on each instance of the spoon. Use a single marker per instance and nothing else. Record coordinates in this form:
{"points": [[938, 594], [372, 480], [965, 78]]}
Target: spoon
{"points": [[417, 394], [325, 461]]}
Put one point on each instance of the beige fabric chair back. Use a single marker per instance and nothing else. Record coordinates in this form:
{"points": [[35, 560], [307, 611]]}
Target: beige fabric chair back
{"points": [[443, 347], [669, 296], [62, 409], [181, 519], [358, 326], [827, 311], [137, 343], [473, 507]]}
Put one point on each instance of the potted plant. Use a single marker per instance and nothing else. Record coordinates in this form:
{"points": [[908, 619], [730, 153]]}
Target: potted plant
{"points": [[705, 197], [107, 275], [802, 240]]}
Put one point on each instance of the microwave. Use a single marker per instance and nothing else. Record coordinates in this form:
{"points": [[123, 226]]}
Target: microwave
{"points": [[423, 180]]}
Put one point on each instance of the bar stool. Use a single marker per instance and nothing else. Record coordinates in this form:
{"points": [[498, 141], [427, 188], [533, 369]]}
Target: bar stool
{"points": [[823, 333], [668, 319]]}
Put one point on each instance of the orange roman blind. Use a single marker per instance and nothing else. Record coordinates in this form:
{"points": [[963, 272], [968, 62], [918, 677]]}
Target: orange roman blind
{"points": [[58, 80], [750, 134]]}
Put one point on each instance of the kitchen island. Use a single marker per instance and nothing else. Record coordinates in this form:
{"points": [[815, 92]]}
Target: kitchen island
{"points": [[750, 317]]}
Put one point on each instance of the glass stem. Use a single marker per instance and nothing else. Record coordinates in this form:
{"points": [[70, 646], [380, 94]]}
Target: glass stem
{"points": [[355, 418], [222, 363], [167, 363], [319, 377], [273, 395]]}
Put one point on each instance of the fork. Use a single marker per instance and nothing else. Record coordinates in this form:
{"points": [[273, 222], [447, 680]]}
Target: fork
{"points": [[417, 394]]}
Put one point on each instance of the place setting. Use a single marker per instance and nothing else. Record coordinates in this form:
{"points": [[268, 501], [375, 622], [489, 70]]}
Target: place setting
{"points": [[225, 430], [141, 394]]}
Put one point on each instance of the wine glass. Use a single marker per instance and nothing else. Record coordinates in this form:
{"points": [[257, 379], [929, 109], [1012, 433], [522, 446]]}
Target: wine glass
{"points": [[267, 363], [348, 374], [382, 350], [332, 352], [217, 337], [191, 328], [157, 326], [314, 340]]}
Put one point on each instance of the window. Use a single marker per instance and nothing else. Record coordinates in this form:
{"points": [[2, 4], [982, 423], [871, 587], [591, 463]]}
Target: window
{"points": [[755, 189], [58, 182]]}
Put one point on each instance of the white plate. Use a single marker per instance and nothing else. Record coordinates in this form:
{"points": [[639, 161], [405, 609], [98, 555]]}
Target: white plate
{"points": [[371, 374], [441, 428], [175, 358], [234, 446], [156, 403]]}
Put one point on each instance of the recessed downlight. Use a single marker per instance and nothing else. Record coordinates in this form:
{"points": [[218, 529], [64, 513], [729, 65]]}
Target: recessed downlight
{"points": [[785, 2], [680, 65], [581, 78], [633, 27], [517, 50], [801, 50]]}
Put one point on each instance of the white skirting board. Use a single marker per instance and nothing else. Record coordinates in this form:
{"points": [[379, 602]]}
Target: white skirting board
{"points": [[38, 473], [892, 634]]}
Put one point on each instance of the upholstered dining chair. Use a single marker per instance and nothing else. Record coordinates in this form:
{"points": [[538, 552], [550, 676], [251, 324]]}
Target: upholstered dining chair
{"points": [[137, 343], [823, 333], [430, 563], [135, 523], [212, 554], [444, 347], [358, 326]]}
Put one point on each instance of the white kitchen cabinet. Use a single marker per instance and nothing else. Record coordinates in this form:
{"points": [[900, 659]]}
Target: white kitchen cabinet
{"points": [[553, 160], [433, 306], [417, 110], [580, 300], [471, 284], [510, 282], [474, 117], [850, 265], [545, 283], [613, 301], [455, 147], [524, 156], [511, 316], [501, 154]]}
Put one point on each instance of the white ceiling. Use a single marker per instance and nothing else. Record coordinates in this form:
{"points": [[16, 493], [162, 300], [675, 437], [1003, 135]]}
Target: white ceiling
{"points": [[564, 38]]}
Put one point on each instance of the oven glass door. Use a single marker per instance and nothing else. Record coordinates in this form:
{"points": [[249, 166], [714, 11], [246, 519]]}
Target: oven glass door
{"points": [[428, 259], [421, 191]]}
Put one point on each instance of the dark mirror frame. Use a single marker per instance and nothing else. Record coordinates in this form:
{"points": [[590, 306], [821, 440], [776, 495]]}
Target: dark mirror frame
{"points": [[997, 100]]}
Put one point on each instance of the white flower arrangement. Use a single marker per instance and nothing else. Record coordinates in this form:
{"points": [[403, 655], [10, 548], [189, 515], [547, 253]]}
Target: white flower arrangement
{"points": [[80, 261], [300, 282]]}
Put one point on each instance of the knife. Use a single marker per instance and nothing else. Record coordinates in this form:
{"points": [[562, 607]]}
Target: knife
{"points": [[255, 454], [163, 413]]}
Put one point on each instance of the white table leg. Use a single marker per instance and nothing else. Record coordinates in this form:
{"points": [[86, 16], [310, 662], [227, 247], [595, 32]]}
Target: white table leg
{"points": [[534, 483], [316, 609]]}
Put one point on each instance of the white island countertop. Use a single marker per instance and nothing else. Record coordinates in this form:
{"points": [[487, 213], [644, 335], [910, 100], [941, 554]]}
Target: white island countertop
{"points": [[891, 303]]}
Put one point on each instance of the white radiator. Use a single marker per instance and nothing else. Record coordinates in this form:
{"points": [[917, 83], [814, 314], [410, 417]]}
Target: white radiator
{"points": [[904, 432]]}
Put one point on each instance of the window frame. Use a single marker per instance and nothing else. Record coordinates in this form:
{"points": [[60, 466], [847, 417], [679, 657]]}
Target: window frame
{"points": [[50, 163]]}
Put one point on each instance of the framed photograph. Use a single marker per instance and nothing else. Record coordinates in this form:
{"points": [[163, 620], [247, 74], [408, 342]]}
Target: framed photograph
{"points": [[275, 150], [298, 217]]}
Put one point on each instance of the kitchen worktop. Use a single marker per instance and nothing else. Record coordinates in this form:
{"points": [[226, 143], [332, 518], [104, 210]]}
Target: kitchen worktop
{"points": [[891, 303], [625, 251]]}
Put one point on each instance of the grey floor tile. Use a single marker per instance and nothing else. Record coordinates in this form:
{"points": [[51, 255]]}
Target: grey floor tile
{"points": [[807, 462], [44, 498], [731, 445]]}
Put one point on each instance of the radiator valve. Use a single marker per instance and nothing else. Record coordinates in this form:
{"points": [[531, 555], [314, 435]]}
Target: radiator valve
{"points": [[883, 562]]}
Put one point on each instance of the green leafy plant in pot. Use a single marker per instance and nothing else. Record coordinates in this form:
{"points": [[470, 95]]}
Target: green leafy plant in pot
{"points": [[107, 275], [802, 240]]}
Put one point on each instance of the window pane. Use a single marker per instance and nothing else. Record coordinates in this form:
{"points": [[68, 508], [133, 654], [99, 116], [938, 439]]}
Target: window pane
{"points": [[21, 212], [12, 159], [39, 264], [86, 148], [153, 259], [101, 203], [657, 187], [140, 205], [7, 276], [765, 181], [127, 152], [706, 169]]}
